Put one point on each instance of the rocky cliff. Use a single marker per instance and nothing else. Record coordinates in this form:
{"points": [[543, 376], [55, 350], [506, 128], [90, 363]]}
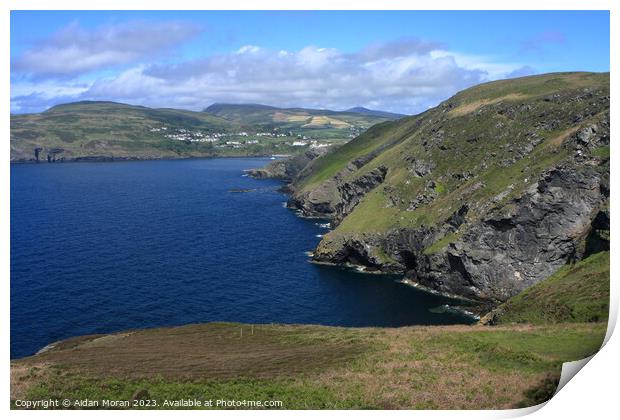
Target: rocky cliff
{"points": [[486, 194], [287, 169]]}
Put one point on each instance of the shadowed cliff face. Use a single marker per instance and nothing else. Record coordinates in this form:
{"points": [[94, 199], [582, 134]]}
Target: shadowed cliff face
{"points": [[483, 196], [521, 243]]}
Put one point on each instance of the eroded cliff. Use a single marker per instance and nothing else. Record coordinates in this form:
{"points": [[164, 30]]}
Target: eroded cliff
{"points": [[488, 193]]}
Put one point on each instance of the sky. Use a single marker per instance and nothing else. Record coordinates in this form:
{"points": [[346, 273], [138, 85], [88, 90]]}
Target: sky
{"points": [[398, 61]]}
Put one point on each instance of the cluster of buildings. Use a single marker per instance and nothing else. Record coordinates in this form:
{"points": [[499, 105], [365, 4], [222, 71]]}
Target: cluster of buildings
{"points": [[183, 134], [237, 140], [273, 135]]}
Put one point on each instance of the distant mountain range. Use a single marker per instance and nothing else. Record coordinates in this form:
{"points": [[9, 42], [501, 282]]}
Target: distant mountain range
{"points": [[265, 113], [96, 130]]}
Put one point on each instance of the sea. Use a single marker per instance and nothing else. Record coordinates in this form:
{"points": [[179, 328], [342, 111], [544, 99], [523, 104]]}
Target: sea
{"points": [[110, 246]]}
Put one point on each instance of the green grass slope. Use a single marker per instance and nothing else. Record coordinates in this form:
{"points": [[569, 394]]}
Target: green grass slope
{"points": [[309, 367], [87, 129], [576, 293], [304, 121], [330, 164], [487, 141]]}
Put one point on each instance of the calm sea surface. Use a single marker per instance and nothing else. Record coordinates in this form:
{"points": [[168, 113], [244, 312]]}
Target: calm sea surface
{"points": [[103, 247]]}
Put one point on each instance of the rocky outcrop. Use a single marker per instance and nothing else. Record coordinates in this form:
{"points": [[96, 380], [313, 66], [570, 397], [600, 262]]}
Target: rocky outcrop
{"points": [[287, 169], [498, 256], [336, 198], [521, 243]]}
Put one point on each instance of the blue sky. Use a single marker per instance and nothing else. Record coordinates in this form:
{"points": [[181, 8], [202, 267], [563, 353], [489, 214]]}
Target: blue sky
{"points": [[402, 61]]}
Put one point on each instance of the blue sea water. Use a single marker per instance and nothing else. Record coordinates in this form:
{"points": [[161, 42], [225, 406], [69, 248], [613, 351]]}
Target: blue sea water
{"points": [[103, 247]]}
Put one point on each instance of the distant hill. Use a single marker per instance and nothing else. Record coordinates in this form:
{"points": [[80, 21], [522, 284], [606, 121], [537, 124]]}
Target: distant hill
{"points": [[100, 130], [382, 114], [355, 119]]}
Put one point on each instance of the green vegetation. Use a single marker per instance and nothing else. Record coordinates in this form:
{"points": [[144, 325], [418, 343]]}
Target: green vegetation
{"points": [[442, 243], [576, 293], [484, 147], [327, 166], [602, 152], [540, 85], [112, 130], [303, 121], [310, 366]]}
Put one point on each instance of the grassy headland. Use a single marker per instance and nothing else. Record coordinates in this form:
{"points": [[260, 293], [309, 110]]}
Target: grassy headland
{"points": [[311, 367]]}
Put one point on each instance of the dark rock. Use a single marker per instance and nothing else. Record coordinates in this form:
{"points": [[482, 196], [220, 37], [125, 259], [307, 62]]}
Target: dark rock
{"points": [[586, 134], [352, 192], [419, 167], [141, 395], [523, 242], [598, 239]]}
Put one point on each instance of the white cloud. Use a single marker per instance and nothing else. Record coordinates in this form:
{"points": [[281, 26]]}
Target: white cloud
{"points": [[493, 68], [405, 76], [73, 50], [248, 49]]}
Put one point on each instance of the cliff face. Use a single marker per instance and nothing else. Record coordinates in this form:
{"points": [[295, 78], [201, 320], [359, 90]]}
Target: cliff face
{"points": [[287, 169], [483, 196]]}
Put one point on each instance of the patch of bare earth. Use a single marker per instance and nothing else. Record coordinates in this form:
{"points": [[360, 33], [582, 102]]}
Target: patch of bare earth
{"points": [[196, 352], [391, 368], [470, 107]]}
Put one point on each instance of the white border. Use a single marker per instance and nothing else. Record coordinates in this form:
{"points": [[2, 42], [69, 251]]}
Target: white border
{"points": [[592, 394]]}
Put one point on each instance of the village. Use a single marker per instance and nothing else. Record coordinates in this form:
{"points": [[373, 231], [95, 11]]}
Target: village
{"points": [[241, 139]]}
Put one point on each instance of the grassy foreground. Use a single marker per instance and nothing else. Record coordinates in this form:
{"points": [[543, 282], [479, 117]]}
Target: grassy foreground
{"points": [[311, 367]]}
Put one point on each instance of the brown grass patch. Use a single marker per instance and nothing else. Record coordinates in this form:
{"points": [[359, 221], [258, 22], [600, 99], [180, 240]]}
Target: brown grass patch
{"points": [[197, 351], [558, 140], [406, 375], [283, 117], [475, 105], [25, 375], [323, 121]]}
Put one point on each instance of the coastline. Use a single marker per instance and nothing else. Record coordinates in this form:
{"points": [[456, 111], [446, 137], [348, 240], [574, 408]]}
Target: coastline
{"points": [[112, 159]]}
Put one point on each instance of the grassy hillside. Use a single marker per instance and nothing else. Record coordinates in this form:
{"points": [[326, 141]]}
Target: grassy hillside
{"points": [[576, 293], [330, 124], [483, 147], [311, 366], [87, 129], [91, 130], [331, 163]]}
